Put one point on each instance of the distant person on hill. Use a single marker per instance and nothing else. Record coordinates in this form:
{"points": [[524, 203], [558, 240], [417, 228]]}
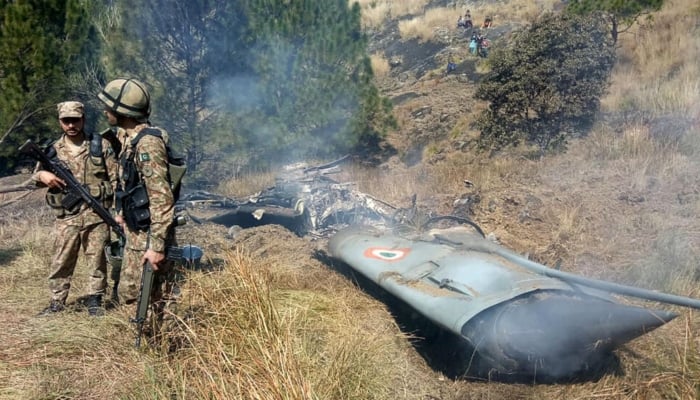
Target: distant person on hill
{"points": [[488, 21], [92, 161], [468, 20], [483, 46], [473, 43], [451, 65], [460, 22], [465, 21]]}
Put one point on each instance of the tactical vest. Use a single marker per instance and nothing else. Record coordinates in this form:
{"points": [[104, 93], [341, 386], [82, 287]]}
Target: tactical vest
{"points": [[132, 199], [95, 178]]}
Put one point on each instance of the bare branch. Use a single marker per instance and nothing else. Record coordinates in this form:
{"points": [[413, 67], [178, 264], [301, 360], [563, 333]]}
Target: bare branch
{"points": [[21, 187], [16, 199], [25, 113]]}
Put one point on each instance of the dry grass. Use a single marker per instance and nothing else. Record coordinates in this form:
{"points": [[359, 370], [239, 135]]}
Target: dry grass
{"points": [[244, 339], [241, 333], [246, 184], [622, 204], [376, 12], [380, 65], [394, 187], [436, 23], [643, 156], [426, 26], [658, 72], [424, 23], [568, 224], [399, 183]]}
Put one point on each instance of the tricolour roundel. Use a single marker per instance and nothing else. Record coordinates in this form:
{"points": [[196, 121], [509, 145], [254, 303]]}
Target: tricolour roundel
{"points": [[385, 254]]}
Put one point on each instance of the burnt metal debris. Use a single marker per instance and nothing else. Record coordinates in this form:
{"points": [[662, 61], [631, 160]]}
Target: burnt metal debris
{"points": [[521, 318], [305, 200]]}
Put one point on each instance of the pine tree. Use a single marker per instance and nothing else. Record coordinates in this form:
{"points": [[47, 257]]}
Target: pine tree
{"points": [[313, 73], [178, 48], [620, 14], [43, 45], [271, 79]]}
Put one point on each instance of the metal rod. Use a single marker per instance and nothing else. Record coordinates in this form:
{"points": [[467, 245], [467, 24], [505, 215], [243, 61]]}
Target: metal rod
{"points": [[595, 283]]}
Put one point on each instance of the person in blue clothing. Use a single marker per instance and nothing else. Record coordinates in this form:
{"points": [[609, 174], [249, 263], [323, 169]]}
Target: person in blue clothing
{"points": [[474, 43], [451, 65]]}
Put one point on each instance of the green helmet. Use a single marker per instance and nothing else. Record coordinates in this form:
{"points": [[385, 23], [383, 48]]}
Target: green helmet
{"points": [[127, 97]]}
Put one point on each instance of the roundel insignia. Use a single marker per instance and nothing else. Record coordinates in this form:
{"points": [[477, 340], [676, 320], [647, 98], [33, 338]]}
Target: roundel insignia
{"points": [[386, 254]]}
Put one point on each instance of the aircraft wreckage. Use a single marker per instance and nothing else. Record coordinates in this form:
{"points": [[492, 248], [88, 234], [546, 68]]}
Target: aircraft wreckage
{"points": [[522, 318]]}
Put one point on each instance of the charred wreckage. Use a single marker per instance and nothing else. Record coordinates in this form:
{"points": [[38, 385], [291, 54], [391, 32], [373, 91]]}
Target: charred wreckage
{"points": [[520, 318]]}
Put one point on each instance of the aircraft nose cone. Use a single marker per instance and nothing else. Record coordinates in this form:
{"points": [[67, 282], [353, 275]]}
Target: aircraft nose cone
{"points": [[558, 335]]}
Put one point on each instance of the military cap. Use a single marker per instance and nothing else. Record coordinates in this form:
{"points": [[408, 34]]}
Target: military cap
{"points": [[70, 109]]}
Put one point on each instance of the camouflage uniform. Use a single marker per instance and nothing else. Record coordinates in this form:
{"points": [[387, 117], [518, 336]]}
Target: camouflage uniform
{"points": [[151, 160], [82, 227]]}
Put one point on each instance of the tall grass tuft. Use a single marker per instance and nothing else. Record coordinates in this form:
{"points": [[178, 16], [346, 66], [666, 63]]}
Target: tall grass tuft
{"points": [[376, 12], [380, 65], [246, 183], [425, 26], [242, 338]]}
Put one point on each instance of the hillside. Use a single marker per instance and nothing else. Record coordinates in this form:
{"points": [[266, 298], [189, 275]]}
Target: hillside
{"points": [[620, 204]]}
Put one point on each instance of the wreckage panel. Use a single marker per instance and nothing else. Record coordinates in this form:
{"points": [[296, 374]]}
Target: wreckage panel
{"points": [[446, 285]]}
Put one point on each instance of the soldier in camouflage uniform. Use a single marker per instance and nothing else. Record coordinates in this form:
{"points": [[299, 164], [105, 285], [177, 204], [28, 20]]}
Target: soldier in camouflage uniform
{"points": [[145, 202], [92, 161]]}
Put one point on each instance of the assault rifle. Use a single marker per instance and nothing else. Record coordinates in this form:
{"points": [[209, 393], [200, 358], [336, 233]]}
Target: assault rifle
{"points": [[143, 301], [74, 189], [147, 279]]}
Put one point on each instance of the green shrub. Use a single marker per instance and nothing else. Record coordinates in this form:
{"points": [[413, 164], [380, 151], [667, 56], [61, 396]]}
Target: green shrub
{"points": [[546, 84]]}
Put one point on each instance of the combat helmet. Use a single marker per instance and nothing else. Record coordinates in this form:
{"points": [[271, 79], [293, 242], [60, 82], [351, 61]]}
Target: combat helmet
{"points": [[127, 97]]}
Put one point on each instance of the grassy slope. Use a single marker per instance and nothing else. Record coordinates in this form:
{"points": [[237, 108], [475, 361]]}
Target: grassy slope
{"points": [[621, 204]]}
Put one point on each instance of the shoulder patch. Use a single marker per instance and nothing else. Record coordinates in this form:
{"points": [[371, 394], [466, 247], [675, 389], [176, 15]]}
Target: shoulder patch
{"points": [[147, 171], [144, 157]]}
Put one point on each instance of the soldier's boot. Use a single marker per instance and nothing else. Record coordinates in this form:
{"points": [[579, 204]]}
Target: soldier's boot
{"points": [[94, 305], [54, 307]]}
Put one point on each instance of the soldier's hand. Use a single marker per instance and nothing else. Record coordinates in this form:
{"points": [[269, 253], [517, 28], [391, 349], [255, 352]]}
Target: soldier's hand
{"points": [[154, 257], [51, 180], [120, 220]]}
